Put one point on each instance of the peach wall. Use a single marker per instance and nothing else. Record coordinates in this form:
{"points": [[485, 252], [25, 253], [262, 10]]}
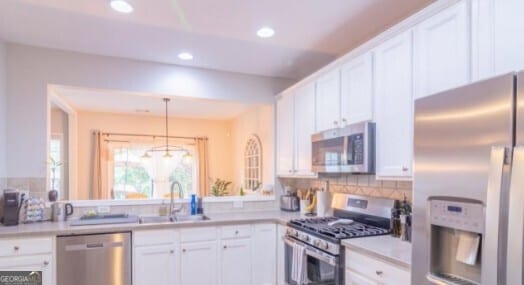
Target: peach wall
{"points": [[218, 132], [260, 121]]}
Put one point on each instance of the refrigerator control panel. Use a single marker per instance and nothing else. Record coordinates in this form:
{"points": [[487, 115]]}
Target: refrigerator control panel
{"points": [[457, 215]]}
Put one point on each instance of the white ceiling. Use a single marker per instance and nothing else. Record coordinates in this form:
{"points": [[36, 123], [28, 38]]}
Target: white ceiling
{"points": [[220, 33], [112, 101]]}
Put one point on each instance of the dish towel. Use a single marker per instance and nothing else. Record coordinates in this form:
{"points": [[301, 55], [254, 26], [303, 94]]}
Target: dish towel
{"points": [[299, 265]]}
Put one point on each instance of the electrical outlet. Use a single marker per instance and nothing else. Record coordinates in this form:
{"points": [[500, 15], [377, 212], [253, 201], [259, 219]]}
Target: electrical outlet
{"points": [[238, 204], [103, 209]]}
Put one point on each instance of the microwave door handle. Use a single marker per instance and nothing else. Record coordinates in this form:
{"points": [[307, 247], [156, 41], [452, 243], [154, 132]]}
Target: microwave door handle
{"points": [[490, 250], [515, 260]]}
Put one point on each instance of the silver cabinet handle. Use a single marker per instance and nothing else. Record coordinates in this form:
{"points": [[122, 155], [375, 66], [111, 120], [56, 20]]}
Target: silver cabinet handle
{"points": [[184, 250], [46, 263], [404, 168], [16, 247], [225, 246], [335, 123], [171, 251], [379, 272], [236, 232], [344, 120]]}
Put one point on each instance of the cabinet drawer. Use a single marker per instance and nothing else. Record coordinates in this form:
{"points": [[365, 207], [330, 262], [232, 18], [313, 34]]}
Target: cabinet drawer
{"points": [[242, 231], [154, 237], [198, 234], [18, 246], [377, 269]]}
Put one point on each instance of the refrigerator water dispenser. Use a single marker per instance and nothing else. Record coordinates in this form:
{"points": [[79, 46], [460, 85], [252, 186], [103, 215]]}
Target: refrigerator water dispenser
{"points": [[456, 230]]}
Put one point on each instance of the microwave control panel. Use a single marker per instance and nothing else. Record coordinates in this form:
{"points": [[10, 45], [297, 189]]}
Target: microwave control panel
{"points": [[457, 215]]}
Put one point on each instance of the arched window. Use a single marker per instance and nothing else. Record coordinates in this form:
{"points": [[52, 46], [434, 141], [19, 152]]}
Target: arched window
{"points": [[253, 164]]}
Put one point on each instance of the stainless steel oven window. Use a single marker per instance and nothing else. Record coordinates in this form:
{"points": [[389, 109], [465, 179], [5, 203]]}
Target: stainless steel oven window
{"points": [[320, 271]]}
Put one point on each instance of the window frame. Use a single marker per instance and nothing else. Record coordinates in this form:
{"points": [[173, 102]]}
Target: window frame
{"points": [[252, 172]]}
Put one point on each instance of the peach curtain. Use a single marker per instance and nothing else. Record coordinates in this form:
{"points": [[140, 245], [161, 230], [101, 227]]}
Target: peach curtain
{"points": [[202, 154], [100, 183]]}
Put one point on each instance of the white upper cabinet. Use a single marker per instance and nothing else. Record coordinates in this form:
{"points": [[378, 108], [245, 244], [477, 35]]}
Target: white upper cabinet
{"points": [[285, 134], [443, 50], [328, 101], [498, 26], [394, 107], [356, 90], [304, 128]]}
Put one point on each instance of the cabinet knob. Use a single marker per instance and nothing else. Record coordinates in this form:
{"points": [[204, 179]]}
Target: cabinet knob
{"points": [[404, 168], [290, 171], [236, 232], [379, 272], [46, 263], [171, 251], [184, 250], [344, 120], [16, 247], [335, 123], [225, 246]]}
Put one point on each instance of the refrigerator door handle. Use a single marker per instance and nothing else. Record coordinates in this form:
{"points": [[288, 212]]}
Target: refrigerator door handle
{"points": [[490, 247], [514, 261]]}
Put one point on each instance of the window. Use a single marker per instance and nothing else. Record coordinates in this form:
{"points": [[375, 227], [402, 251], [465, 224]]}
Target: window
{"points": [[137, 177], [253, 164], [55, 162]]}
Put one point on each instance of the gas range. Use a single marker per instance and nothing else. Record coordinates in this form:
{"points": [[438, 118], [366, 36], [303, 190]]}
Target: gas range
{"points": [[361, 217], [320, 237]]}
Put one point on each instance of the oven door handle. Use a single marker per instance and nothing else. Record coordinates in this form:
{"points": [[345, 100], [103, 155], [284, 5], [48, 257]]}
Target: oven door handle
{"points": [[313, 252]]}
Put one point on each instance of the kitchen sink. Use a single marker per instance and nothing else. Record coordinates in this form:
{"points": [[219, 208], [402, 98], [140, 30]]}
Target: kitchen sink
{"points": [[167, 219]]}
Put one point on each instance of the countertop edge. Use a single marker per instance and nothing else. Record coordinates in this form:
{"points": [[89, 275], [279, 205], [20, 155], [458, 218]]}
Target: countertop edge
{"points": [[63, 229], [384, 257]]}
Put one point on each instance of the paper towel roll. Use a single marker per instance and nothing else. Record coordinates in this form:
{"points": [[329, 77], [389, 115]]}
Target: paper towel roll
{"points": [[323, 204]]}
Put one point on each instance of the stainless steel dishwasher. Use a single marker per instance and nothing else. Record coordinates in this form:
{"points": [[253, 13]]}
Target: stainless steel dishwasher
{"points": [[101, 259]]}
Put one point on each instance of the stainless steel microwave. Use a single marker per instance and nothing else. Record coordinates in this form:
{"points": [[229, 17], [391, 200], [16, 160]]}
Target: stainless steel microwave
{"points": [[345, 150]]}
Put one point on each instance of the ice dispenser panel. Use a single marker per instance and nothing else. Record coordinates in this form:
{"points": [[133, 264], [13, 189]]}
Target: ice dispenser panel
{"points": [[457, 227]]}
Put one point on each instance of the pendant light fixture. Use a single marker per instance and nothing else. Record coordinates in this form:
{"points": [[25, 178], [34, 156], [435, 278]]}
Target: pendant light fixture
{"points": [[166, 148]]}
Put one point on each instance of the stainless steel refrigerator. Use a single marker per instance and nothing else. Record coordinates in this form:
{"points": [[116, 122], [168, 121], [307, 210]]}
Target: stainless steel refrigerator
{"points": [[468, 188]]}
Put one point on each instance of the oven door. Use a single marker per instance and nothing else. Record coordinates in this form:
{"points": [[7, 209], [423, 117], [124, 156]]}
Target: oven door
{"points": [[322, 268]]}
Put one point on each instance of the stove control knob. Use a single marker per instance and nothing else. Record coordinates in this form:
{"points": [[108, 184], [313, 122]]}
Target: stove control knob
{"points": [[289, 231], [295, 233], [325, 245], [304, 237], [316, 243]]}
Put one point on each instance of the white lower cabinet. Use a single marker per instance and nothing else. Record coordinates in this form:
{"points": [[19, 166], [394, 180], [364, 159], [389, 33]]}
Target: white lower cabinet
{"points": [[264, 254], [43, 263], [198, 263], [281, 255], [363, 269], [154, 257], [29, 254], [235, 262], [353, 278]]}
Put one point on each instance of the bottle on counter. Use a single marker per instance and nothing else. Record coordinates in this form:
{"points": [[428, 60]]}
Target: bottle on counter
{"points": [[395, 224], [193, 204]]}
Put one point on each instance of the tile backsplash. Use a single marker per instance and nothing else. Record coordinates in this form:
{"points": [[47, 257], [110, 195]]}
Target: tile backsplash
{"points": [[365, 185]]}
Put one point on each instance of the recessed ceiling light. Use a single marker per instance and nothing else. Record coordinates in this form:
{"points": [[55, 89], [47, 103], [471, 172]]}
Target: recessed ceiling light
{"points": [[121, 6], [185, 56], [265, 32]]}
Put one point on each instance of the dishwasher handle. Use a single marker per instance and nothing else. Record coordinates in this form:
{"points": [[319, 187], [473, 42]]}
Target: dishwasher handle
{"points": [[94, 246]]}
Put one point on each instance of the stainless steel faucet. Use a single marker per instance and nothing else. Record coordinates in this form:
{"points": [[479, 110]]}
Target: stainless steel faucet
{"points": [[172, 209]]}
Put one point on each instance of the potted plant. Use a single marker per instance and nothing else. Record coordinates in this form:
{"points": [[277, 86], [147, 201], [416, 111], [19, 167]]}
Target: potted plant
{"points": [[53, 193]]}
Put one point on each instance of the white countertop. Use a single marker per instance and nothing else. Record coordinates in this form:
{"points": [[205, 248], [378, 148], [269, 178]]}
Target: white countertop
{"points": [[63, 228], [385, 247]]}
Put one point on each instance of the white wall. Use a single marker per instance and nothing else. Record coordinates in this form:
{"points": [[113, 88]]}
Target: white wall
{"points": [[3, 111], [31, 69], [257, 121]]}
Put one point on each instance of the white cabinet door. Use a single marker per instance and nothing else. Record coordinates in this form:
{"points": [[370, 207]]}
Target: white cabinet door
{"points": [[285, 134], [42, 263], [264, 250], [443, 50], [304, 128], [356, 89], [281, 262], [235, 262], [394, 107], [198, 263], [353, 278], [328, 101], [154, 265]]}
